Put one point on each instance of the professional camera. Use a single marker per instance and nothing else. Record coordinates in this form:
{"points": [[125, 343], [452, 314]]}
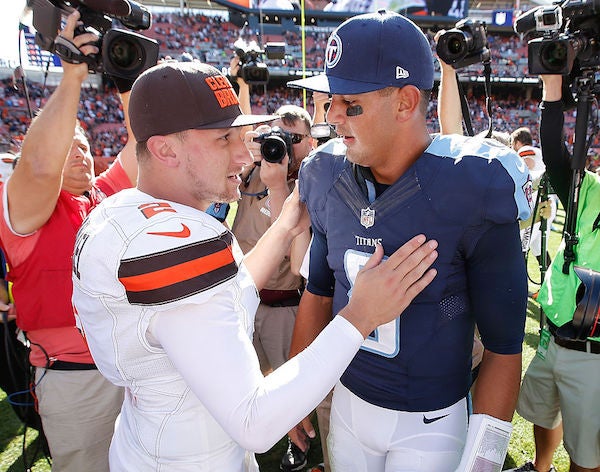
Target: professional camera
{"points": [[252, 70], [275, 144], [566, 34], [463, 45], [123, 53]]}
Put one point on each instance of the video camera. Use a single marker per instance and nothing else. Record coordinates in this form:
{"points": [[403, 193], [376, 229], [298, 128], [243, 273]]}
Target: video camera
{"points": [[463, 45], [322, 132], [252, 70], [568, 35], [275, 144], [124, 54]]}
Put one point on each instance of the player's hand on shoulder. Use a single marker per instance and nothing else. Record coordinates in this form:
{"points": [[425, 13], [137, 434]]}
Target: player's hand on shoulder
{"points": [[384, 288]]}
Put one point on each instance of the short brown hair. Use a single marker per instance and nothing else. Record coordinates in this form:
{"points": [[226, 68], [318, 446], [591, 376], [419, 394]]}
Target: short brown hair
{"points": [[292, 114], [523, 135]]}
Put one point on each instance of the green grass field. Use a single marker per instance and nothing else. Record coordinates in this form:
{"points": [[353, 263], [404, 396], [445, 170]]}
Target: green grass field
{"points": [[521, 446]]}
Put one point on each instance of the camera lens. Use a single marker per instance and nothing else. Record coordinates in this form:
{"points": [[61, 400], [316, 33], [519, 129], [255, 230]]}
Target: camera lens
{"points": [[255, 73], [273, 149], [553, 56], [125, 53], [455, 46], [452, 46]]}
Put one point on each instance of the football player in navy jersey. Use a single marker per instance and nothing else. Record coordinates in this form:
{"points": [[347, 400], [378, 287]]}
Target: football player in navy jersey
{"points": [[402, 403]]}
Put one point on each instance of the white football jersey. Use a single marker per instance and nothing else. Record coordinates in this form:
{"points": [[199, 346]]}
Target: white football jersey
{"points": [[146, 270]]}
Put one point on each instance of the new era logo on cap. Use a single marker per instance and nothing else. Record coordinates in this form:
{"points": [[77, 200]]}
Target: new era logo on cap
{"points": [[401, 73], [373, 51]]}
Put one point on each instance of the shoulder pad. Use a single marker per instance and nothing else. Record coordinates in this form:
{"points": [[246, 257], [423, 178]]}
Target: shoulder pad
{"points": [[477, 163]]}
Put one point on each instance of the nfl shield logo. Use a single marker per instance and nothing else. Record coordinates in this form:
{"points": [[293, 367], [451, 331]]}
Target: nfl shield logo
{"points": [[500, 18], [367, 217]]}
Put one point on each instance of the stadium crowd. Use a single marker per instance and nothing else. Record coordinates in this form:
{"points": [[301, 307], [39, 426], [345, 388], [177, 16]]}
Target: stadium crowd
{"points": [[210, 39]]}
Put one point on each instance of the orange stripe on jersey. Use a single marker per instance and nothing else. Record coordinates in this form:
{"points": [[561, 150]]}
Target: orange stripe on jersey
{"points": [[178, 273], [527, 153]]}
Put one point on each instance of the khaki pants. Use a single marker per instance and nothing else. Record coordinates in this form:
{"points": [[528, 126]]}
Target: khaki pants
{"points": [[273, 328], [565, 386], [78, 410]]}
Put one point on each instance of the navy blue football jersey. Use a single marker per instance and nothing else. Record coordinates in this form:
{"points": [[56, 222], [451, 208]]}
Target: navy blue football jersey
{"points": [[466, 193]]}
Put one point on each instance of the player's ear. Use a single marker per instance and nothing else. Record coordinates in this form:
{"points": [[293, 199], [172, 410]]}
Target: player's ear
{"points": [[408, 99], [161, 148]]}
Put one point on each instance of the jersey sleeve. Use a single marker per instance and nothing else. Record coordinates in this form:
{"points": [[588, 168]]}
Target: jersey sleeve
{"points": [[321, 280], [317, 174], [498, 288], [213, 353], [160, 254]]}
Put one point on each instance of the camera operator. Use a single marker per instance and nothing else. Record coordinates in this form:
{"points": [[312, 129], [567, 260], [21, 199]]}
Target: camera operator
{"points": [[43, 205], [531, 235], [561, 389]]}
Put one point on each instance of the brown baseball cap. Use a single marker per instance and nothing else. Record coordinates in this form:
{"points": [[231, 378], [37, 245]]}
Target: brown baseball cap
{"points": [[176, 96]]}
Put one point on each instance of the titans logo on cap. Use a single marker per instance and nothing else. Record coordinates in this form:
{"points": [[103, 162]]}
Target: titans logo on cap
{"points": [[333, 54]]}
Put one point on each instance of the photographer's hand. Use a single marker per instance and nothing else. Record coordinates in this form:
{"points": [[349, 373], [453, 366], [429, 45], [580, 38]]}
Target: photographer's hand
{"points": [[273, 175], [320, 100], [275, 178], [84, 42], [449, 108], [252, 146]]}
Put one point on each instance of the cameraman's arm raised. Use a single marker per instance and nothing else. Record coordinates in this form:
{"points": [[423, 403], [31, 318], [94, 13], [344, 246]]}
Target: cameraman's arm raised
{"points": [[449, 108], [554, 151], [127, 155], [35, 185], [244, 89]]}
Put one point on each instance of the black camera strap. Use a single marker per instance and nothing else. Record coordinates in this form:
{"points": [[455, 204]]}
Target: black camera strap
{"points": [[585, 96], [487, 70], [70, 53], [464, 106], [487, 73]]}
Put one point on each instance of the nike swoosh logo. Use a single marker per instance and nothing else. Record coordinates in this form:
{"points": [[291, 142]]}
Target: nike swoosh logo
{"points": [[184, 233], [431, 420]]}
